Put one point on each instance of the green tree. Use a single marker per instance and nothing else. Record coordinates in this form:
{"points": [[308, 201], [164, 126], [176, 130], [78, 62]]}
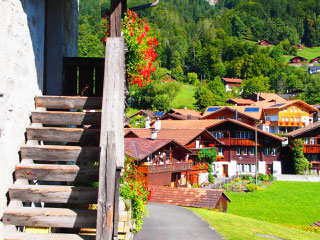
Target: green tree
{"points": [[192, 78], [217, 88], [204, 98], [255, 84], [313, 91]]}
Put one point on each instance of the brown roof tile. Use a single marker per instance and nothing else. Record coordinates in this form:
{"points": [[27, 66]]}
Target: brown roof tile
{"points": [[232, 80], [300, 131], [186, 111], [187, 124], [187, 197], [182, 136], [142, 147]]}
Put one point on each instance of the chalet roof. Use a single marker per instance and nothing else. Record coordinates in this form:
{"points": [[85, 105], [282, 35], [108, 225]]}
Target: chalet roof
{"points": [[304, 130], [188, 197], [232, 80], [178, 116], [187, 124], [182, 136], [249, 127], [185, 112], [316, 224], [248, 111], [264, 43], [315, 59], [143, 147], [298, 57], [147, 112], [289, 103], [241, 101], [270, 97]]}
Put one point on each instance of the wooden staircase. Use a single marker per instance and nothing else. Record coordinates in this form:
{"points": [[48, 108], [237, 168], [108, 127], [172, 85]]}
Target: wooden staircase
{"points": [[59, 170]]}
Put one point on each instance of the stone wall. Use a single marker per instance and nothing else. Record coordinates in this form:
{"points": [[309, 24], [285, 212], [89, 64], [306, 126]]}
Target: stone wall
{"points": [[21, 78], [22, 70]]}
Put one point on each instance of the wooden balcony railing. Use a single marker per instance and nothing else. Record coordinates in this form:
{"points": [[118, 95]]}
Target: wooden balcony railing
{"points": [[83, 76], [237, 142], [159, 168], [311, 149]]}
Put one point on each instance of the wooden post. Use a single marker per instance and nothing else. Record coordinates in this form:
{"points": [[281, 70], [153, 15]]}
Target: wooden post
{"points": [[118, 7], [111, 136], [116, 203]]}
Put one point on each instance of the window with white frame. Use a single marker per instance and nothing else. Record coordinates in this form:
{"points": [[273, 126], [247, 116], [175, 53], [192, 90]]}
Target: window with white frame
{"points": [[283, 119], [291, 109], [244, 134], [267, 151], [312, 141], [296, 110], [221, 118], [287, 119], [245, 151], [285, 110], [218, 134], [238, 151], [252, 151], [274, 152], [253, 168], [292, 119], [220, 151]]}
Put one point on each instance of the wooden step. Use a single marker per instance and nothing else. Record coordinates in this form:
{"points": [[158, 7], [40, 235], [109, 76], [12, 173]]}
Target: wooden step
{"points": [[53, 194], [50, 217], [62, 102], [60, 153], [50, 172], [67, 118], [44, 236], [55, 134]]}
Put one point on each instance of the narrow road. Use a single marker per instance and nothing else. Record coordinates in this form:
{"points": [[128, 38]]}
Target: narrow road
{"points": [[167, 222]]}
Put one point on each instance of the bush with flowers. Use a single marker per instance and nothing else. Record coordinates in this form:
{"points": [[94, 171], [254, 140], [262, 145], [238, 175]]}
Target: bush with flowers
{"points": [[141, 53], [301, 164], [133, 187], [141, 48]]}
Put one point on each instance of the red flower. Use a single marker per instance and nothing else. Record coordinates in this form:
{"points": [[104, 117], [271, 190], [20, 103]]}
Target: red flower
{"points": [[146, 28]]}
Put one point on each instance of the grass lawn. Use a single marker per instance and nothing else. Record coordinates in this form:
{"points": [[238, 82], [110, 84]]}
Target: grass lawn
{"points": [[309, 53], [185, 97], [234, 227], [292, 203]]}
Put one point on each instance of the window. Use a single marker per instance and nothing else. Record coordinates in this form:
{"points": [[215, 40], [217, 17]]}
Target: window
{"points": [[220, 151], [291, 109], [245, 151], [283, 119], [285, 110], [218, 134], [302, 110], [252, 151], [244, 134], [221, 117], [295, 119], [253, 168], [267, 151], [274, 152], [298, 119], [238, 151], [287, 119], [296, 110], [292, 119], [312, 141]]}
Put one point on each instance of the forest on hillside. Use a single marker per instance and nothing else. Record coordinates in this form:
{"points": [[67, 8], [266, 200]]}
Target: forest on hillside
{"points": [[199, 44]]}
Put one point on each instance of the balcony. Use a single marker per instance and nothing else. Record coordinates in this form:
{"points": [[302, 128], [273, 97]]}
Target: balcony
{"points": [[237, 142], [159, 168], [311, 148], [291, 124]]}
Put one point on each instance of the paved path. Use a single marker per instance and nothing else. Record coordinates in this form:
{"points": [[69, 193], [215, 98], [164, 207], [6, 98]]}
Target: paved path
{"points": [[167, 222]]}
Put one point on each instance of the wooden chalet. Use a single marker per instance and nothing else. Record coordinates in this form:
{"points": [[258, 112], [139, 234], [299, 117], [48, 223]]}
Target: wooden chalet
{"points": [[237, 151], [298, 59], [143, 113], [231, 82], [298, 47], [162, 162], [264, 43], [315, 60], [311, 136], [266, 97], [193, 139], [246, 114], [187, 124]]}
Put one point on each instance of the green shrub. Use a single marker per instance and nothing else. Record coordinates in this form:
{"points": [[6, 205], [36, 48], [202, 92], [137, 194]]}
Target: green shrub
{"points": [[210, 178], [263, 177], [271, 177], [195, 185], [226, 186], [246, 177], [252, 187]]}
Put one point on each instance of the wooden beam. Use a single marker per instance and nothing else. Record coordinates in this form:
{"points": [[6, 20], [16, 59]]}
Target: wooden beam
{"points": [[50, 172], [50, 217], [118, 7], [56, 134], [111, 135], [53, 194], [45, 236], [60, 102], [60, 153], [66, 118]]}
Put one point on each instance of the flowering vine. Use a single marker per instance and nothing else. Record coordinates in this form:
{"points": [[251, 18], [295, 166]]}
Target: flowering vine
{"points": [[141, 48], [301, 164]]}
